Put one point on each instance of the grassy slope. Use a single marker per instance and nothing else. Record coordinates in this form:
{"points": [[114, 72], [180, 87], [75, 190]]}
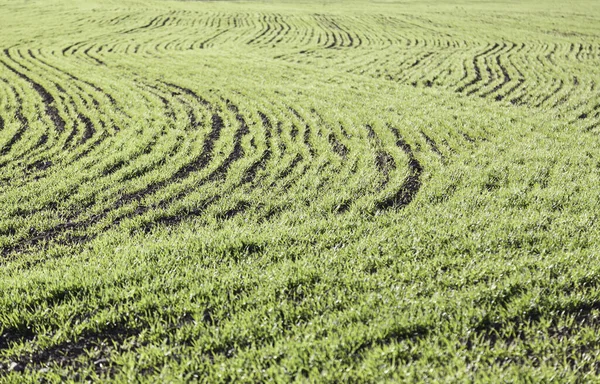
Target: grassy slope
{"points": [[132, 247]]}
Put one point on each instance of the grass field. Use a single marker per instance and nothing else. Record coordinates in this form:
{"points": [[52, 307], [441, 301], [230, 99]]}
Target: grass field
{"points": [[309, 191]]}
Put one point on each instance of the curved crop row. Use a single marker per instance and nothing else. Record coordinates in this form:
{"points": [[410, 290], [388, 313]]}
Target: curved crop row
{"points": [[269, 191]]}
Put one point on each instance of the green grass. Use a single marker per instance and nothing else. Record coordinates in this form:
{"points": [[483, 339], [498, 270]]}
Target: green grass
{"points": [[299, 191]]}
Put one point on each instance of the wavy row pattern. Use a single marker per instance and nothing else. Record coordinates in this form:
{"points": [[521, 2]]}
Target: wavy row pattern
{"points": [[369, 189]]}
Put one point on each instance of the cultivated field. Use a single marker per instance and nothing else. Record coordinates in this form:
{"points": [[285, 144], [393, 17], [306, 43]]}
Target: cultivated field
{"points": [[332, 191]]}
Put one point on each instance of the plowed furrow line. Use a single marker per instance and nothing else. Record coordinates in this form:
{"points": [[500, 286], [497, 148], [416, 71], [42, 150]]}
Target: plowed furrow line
{"points": [[266, 27], [73, 48], [434, 147], [96, 103], [89, 128], [94, 59], [477, 69], [415, 66], [145, 26], [218, 174], [547, 96], [206, 43], [490, 77], [306, 132], [505, 77], [384, 161], [510, 91], [410, 186], [260, 164], [285, 33], [47, 98], [237, 152], [193, 166], [335, 137], [23, 124], [53, 233], [429, 76], [275, 31]]}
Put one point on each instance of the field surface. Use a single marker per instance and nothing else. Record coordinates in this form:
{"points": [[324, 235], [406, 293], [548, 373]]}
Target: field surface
{"points": [[321, 191]]}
